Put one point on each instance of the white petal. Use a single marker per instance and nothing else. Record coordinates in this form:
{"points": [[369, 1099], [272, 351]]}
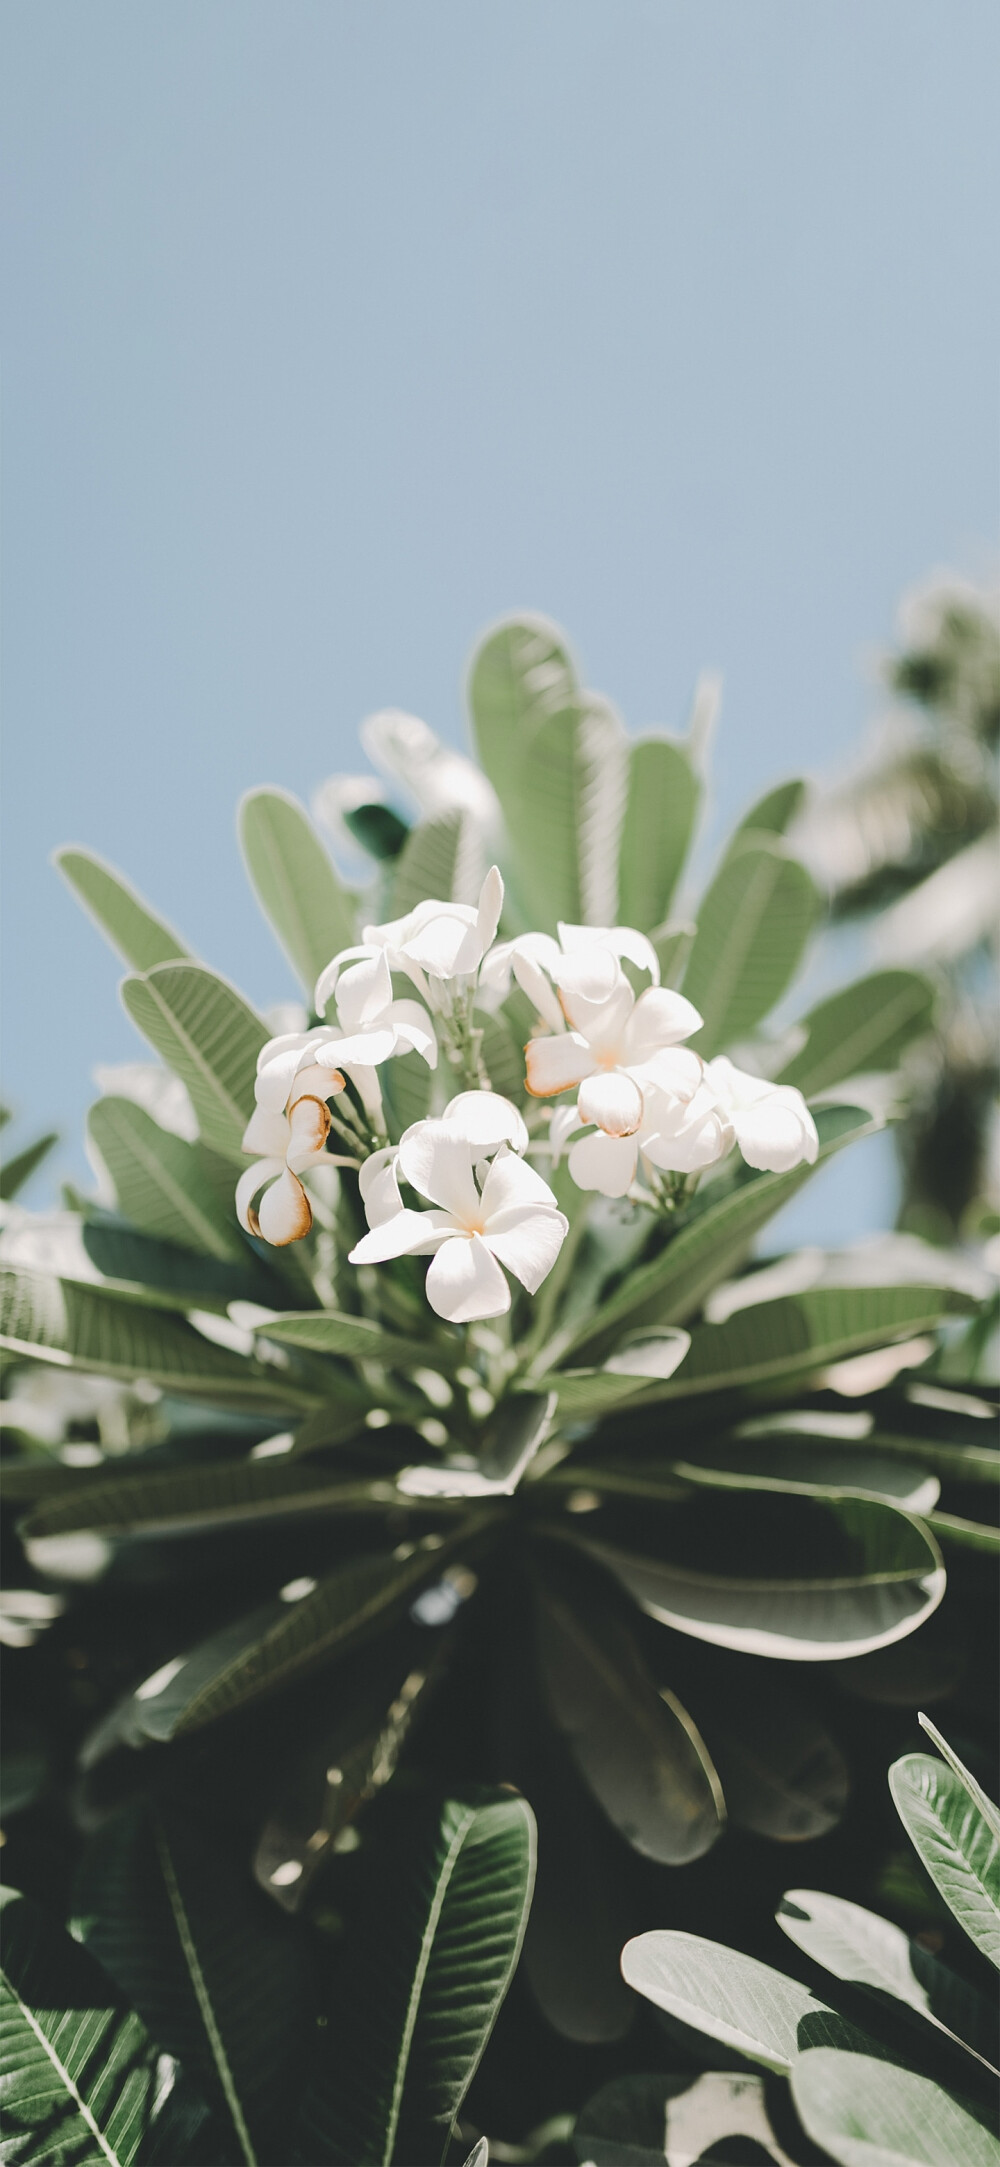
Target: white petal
{"points": [[675, 1073], [555, 1064], [414, 1030], [406, 1234], [315, 1082], [735, 1087], [267, 1131], [486, 1120], [490, 907], [562, 1122], [276, 1077], [436, 1160], [327, 981], [286, 1042], [527, 1240], [607, 1163], [379, 1186], [248, 1185], [285, 1213], [367, 1047], [465, 1282], [364, 992], [622, 940], [366, 1084], [309, 1123], [511, 1183], [687, 1138], [447, 945], [612, 1100], [660, 1018], [532, 981], [777, 1133]]}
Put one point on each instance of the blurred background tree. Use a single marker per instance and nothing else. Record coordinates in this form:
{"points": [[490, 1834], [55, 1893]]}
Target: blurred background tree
{"points": [[907, 842]]}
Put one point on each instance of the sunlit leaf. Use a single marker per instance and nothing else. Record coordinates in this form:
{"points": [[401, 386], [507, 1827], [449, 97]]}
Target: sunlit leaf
{"points": [[736, 2000], [296, 885], [753, 925], [955, 1841], [205, 1032], [125, 920], [867, 2113]]}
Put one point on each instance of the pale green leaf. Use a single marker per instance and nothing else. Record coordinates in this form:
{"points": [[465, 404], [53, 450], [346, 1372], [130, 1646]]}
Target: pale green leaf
{"points": [[866, 1951], [869, 2113], [15, 1172], [660, 809], [159, 1180], [772, 814], [296, 885], [736, 2000], [359, 1339], [753, 925], [208, 1035], [804, 1332], [864, 1027], [75, 1326], [955, 1842], [439, 861], [124, 919]]}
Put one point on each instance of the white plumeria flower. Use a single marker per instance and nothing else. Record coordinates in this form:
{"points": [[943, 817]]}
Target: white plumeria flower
{"points": [[484, 1215], [771, 1122], [440, 940], [682, 1131], [615, 1045], [370, 1025], [535, 958], [290, 1143]]}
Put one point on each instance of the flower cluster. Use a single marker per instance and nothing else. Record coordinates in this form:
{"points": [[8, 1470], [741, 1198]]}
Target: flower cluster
{"points": [[647, 1117]]}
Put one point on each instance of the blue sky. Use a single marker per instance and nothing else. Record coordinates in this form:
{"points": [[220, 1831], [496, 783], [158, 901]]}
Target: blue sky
{"points": [[333, 331]]}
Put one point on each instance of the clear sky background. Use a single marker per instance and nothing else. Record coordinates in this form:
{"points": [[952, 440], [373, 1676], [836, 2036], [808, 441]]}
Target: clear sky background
{"points": [[334, 330]]}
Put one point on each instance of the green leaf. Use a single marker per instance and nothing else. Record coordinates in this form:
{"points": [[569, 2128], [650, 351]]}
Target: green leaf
{"points": [[148, 1270], [584, 1393], [660, 809], [159, 1180], [868, 2113], [772, 814], [752, 928], [430, 1960], [75, 1326], [177, 1500], [714, 1239], [358, 1339], [673, 945], [299, 892], [15, 1172], [782, 1773], [809, 1467], [279, 1641], [82, 2080], [637, 1749], [990, 1812], [807, 1580], [206, 1033], [741, 2003], [869, 1952], [214, 1970], [555, 757], [965, 1534], [804, 1332], [124, 919], [955, 1842], [430, 864], [864, 1027]]}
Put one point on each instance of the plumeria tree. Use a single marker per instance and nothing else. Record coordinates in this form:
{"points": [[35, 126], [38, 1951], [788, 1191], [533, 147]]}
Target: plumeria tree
{"points": [[459, 1426]]}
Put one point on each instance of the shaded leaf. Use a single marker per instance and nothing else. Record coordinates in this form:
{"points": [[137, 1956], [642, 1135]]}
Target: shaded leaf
{"points": [[205, 1032], [82, 2080], [125, 920], [213, 1970], [782, 1773], [782, 1338], [296, 885], [431, 1957], [638, 1749], [809, 1581], [677, 2120], [864, 1027], [867, 1951], [359, 1339], [180, 1500], [753, 925], [867, 2113]]}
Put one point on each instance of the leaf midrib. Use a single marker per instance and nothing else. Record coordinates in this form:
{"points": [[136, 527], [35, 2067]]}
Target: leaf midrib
{"points": [[419, 1978], [179, 1197], [202, 1996], [63, 2074]]}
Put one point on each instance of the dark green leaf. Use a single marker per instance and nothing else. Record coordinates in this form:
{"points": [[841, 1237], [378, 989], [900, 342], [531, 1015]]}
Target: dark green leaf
{"points": [[178, 1500], [432, 1954]]}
